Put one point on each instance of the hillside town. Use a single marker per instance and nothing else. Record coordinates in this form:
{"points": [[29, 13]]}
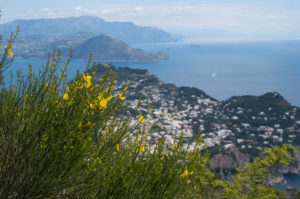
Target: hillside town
{"points": [[248, 122]]}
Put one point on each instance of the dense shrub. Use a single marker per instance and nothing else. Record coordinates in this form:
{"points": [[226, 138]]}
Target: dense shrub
{"points": [[76, 139]]}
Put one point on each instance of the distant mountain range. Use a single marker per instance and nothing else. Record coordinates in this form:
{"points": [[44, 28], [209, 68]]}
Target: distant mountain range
{"points": [[124, 31], [106, 40], [104, 48]]}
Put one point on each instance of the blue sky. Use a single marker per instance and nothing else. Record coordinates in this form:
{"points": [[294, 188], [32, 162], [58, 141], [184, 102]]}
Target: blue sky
{"points": [[247, 19]]}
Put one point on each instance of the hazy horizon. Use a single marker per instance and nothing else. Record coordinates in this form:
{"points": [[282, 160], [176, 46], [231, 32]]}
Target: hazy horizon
{"points": [[196, 20]]}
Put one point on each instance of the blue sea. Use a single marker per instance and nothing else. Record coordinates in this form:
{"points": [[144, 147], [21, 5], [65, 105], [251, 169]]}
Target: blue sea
{"points": [[292, 180], [231, 69], [221, 70]]}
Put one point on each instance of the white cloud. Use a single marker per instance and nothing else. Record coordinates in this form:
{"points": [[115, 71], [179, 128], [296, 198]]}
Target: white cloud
{"points": [[109, 11], [233, 17]]}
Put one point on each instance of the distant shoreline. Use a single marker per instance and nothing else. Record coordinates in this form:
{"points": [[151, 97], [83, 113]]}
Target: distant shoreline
{"points": [[105, 61]]}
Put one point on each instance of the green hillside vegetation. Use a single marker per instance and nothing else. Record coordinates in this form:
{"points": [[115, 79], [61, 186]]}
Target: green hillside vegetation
{"points": [[105, 48], [277, 102], [70, 139]]}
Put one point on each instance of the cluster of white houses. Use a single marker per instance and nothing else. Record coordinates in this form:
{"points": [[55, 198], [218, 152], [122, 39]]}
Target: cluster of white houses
{"points": [[171, 117]]}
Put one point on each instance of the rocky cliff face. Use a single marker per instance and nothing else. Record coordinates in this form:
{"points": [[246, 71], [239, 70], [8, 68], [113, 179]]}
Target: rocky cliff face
{"points": [[294, 166], [228, 160], [225, 162]]}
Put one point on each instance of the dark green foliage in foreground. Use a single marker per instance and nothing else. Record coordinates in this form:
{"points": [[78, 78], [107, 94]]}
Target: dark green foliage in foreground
{"points": [[61, 139]]}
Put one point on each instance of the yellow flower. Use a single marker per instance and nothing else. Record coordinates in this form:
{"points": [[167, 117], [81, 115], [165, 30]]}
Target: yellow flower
{"points": [[109, 98], [66, 96], [9, 52], [118, 147], [188, 181], [125, 88], [103, 103], [185, 173], [122, 97], [87, 79], [142, 148], [141, 118], [92, 105]]}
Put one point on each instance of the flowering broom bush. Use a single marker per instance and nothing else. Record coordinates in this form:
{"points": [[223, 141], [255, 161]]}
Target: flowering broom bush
{"points": [[71, 139]]}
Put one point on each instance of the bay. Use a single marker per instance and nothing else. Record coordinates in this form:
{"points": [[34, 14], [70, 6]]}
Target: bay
{"points": [[221, 70], [292, 180]]}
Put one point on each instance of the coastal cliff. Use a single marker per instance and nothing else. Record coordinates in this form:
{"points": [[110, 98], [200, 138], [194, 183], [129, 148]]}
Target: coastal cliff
{"points": [[227, 161]]}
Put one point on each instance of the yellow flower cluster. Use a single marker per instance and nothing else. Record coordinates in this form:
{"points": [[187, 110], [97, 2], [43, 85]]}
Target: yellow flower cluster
{"points": [[141, 119], [87, 80], [9, 52], [186, 174], [141, 148], [103, 101], [121, 96], [122, 93], [66, 96]]}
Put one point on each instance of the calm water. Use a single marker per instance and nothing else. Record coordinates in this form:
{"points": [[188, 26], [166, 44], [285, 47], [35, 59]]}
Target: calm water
{"points": [[224, 70], [221, 70], [292, 180]]}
